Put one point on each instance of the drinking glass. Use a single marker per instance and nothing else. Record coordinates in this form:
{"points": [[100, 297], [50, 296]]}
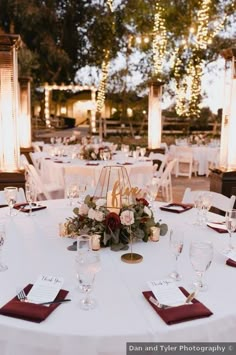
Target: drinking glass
{"points": [[198, 205], [206, 205], [87, 266], [30, 194], [230, 221], [71, 192], [201, 255], [83, 244], [176, 243], [10, 193], [3, 267]]}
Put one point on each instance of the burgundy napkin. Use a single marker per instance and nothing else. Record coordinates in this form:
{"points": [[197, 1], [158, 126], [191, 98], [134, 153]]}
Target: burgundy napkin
{"points": [[1, 206], [30, 311], [231, 262], [182, 313], [47, 158], [185, 207], [219, 230], [92, 164], [18, 206], [58, 161]]}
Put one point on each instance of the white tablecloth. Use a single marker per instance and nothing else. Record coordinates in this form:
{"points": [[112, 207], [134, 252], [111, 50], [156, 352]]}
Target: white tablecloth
{"points": [[122, 314]]}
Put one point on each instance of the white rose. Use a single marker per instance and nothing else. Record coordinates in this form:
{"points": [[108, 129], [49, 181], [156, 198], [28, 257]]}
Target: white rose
{"points": [[91, 213], [147, 211], [127, 218], [83, 209], [99, 216]]}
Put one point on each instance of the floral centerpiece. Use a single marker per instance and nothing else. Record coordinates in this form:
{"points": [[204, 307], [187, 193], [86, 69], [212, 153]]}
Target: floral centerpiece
{"points": [[94, 152], [116, 228]]}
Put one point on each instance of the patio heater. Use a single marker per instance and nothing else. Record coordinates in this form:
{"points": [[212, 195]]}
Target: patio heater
{"points": [[223, 180], [154, 116], [9, 125]]}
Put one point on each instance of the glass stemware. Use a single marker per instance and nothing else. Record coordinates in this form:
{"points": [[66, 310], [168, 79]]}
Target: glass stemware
{"points": [[176, 243], [201, 255], [206, 205], [198, 205], [87, 265], [10, 193], [30, 194], [230, 221], [3, 267]]}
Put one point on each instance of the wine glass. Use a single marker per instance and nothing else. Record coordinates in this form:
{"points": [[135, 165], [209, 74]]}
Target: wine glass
{"points": [[87, 265], [230, 221], [201, 255], [71, 192], [83, 244], [10, 193], [30, 194], [3, 267], [176, 243], [206, 205], [198, 205]]}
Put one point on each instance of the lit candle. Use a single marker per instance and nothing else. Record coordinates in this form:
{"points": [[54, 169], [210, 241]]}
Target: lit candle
{"points": [[155, 234], [96, 242]]}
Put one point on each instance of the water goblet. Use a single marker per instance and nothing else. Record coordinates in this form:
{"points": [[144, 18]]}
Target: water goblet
{"points": [[206, 205], [87, 266], [230, 221], [30, 194], [176, 243], [198, 205], [83, 244], [3, 267], [10, 193], [201, 255]]}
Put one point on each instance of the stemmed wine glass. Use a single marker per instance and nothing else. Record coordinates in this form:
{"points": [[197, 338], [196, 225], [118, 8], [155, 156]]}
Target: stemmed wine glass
{"points": [[176, 243], [87, 265], [10, 193], [206, 204], [201, 255], [230, 221], [30, 194], [198, 205], [3, 267]]}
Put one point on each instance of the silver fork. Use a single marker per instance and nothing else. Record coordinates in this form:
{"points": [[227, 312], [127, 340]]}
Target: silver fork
{"points": [[22, 296]]}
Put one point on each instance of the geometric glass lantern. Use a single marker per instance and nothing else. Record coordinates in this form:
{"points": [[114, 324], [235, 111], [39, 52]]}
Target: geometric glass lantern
{"points": [[154, 115], [114, 187], [25, 112], [9, 136]]}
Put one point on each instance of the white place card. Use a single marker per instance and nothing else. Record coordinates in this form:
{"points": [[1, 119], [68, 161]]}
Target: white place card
{"points": [[175, 207], [45, 289], [167, 292]]}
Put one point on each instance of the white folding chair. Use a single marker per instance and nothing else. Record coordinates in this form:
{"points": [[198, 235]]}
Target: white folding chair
{"points": [[20, 196], [140, 176], [164, 182], [46, 191], [219, 201], [159, 160], [185, 165], [24, 161]]}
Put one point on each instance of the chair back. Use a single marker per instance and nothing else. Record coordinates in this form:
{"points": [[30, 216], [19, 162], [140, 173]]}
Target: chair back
{"points": [[219, 201], [20, 196]]}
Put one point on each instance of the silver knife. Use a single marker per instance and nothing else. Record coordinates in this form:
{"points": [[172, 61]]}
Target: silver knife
{"points": [[56, 301]]}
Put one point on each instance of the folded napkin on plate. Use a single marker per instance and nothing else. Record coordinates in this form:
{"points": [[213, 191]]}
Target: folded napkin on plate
{"points": [[92, 164], [30, 311], [177, 207], [231, 262], [182, 313], [24, 207], [219, 227]]}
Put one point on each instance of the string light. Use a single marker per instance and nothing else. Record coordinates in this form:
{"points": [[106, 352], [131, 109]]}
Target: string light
{"points": [[105, 69], [159, 41]]}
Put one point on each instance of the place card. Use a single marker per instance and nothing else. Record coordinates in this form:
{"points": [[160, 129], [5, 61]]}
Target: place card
{"points": [[45, 289], [167, 292]]}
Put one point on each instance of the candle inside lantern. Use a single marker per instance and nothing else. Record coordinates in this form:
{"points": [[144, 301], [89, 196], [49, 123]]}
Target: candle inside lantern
{"points": [[155, 234], [96, 242]]}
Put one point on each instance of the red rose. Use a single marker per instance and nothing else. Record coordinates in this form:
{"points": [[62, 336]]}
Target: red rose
{"points": [[112, 221], [143, 201]]}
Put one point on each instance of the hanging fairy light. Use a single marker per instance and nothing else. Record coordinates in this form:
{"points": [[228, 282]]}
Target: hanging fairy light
{"points": [[159, 40], [102, 85]]}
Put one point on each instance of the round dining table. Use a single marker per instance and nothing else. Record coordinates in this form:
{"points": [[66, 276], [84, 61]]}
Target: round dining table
{"points": [[122, 314]]}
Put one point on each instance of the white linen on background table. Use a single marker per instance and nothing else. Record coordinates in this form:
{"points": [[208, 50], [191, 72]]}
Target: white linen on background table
{"points": [[122, 314]]}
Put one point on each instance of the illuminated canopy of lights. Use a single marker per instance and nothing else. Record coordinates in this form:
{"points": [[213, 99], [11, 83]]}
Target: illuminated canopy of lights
{"points": [[159, 41], [188, 87]]}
